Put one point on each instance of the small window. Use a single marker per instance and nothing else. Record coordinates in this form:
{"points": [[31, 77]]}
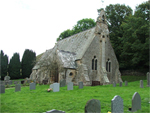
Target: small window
{"points": [[92, 64], [103, 36], [108, 66], [96, 64], [71, 74]]}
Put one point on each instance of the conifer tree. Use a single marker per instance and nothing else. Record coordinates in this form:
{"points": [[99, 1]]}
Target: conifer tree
{"points": [[27, 62], [15, 66]]}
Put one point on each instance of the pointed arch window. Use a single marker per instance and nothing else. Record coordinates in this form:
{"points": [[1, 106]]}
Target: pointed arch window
{"points": [[108, 65], [94, 63]]}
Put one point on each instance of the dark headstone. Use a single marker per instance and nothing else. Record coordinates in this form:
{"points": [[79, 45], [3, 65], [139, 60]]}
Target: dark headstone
{"points": [[17, 87], [93, 106], [55, 111], [32, 86], [126, 83], [117, 105], [70, 86], [141, 83], [120, 84], [136, 102], [2, 88], [114, 84], [63, 83], [148, 79], [80, 85]]}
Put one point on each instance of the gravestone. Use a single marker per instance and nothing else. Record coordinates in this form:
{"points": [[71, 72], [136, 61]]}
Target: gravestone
{"points": [[120, 84], [55, 111], [141, 83], [55, 87], [2, 88], [70, 86], [17, 87], [51, 86], [62, 83], [80, 85], [15, 82], [148, 79], [136, 102], [7, 78], [10, 82], [2, 83], [28, 81], [32, 86], [114, 84], [93, 106], [126, 83], [117, 105]]}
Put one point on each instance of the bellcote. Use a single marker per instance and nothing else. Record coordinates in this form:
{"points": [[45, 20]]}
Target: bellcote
{"points": [[102, 16]]}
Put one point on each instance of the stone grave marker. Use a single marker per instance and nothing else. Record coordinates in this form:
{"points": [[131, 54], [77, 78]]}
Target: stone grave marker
{"points": [[117, 104], [7, 78], [148, 79], [15, 82], [2, 88], [10, 82], [32, 86], [126, 83], [2, 83], [56, 87], [63, 83], [114, 84], [70, 86], [17, 87], [55, 111], [136, 102], [120, 84], [80, 85], [51, 86], [28, 81], [141, 83], [93, 106]]}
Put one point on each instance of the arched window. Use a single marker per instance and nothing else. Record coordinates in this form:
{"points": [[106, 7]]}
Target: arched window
{"points": [[108, 66], [94, 63], [103, 19]]}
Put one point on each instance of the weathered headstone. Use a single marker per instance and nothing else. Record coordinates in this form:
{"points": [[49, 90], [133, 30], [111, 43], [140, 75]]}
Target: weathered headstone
{"points": [[126, 83], [148, 79], [51, 86], [93, 106], [32, 86], [117, 105], [55, 111], [2, 88], [2, 83], [80, 85], [114, 84], [136, 102], [70, 86], [120, 84], [15, 82], [10, 82], [141, 83], [17, 87], [62, 83], [7, 78], [56, 87]]}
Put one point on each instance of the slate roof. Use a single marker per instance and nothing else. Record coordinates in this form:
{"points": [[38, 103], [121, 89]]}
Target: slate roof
{"points": [[77, 43]]}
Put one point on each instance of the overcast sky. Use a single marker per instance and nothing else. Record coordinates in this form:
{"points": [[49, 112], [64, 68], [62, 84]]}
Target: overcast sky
{"points": [[36, 24]]}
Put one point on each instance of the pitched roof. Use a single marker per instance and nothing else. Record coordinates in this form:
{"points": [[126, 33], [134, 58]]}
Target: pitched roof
{"points": [[77, 43]]}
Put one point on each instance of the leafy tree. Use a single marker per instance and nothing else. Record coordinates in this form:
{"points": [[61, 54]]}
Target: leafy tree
{"points": [[15, 66], [4, 64], [81, 25], [27, 62], [135, 50], [116, 15]]}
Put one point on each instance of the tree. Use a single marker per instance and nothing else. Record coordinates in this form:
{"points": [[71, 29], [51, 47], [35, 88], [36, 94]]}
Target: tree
{"points": [[4, 64], [14, 67], [81, 25], [27, 62], [116, 15], [135, 50]]}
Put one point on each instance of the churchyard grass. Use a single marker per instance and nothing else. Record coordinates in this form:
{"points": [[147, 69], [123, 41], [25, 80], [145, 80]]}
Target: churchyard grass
{"points": [[39, 100]]}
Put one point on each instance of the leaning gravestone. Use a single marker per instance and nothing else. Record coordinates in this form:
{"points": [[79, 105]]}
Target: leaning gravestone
{"points": [[62, 83], [32, 86], [93, 106], [117, 105], [2, 88], [120, 84], [70, 86], [141, 83], [55, 111], [80, 85], [136, 102], [114, 84], [17, 87], [55, 87], [126, 83], [148, 79]]}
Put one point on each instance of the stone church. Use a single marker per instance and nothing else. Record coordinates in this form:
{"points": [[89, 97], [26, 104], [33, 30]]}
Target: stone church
{"points": [[87, 56]]}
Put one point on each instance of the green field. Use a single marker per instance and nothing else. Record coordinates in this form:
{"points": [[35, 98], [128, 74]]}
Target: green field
{"points": [[40, 100]]}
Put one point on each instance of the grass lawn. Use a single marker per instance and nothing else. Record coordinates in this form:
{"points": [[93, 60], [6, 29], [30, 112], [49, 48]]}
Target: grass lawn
{"points": [[40, 100]]}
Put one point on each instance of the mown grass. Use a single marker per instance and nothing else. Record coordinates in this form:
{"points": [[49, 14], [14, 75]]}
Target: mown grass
{"points": [[40, 100], [130, 78]]}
